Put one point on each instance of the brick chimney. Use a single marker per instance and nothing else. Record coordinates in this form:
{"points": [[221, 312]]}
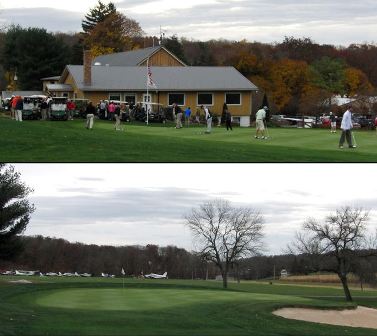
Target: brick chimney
{"points": [[87, 68]]}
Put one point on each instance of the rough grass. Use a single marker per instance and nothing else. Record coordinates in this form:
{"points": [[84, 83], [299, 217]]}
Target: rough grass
{"points": [[64, 306], [54, 141], [319, 278]]}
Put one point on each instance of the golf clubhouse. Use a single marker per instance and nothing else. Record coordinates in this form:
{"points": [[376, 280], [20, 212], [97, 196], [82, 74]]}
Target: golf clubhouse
{"points": [[123, 77]]}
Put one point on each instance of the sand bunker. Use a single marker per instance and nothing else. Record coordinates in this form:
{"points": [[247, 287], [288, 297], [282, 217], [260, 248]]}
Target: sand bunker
{"points": [[361, 317], [21, 281]]}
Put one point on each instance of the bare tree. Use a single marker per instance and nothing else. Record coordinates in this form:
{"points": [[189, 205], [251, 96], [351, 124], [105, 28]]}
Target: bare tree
{"points": [[342, 235], [224, 233]]}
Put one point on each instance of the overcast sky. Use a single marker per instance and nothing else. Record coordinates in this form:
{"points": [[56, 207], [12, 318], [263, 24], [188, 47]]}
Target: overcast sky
{"points": [[337, 22], [128, 204]]}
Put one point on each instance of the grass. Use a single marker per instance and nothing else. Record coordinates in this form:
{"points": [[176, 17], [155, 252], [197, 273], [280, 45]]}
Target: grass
{"points": [[94, 306], [54, 141]]}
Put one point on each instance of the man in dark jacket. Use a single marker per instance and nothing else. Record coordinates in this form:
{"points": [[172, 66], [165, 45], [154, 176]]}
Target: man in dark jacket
{"points": [[90, 111]]}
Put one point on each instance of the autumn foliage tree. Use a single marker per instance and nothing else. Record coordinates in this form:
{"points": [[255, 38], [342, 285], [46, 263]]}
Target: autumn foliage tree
{"points": [[114, 34]]}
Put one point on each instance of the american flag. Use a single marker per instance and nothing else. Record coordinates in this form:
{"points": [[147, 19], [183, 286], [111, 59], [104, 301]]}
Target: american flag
{"points": [[150, 81]]}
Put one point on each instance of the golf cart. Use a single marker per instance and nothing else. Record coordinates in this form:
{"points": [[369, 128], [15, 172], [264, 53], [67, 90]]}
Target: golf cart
{"points": [[32, 106], [58, 108], [125, 115], [156, 112], [81, 104]]}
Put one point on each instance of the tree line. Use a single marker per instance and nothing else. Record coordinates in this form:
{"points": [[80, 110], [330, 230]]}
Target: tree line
{"points": [[297, 74]]}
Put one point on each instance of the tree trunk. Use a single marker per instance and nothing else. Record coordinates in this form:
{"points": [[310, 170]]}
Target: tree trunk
{"points": [[225, 279], [347, 292]]}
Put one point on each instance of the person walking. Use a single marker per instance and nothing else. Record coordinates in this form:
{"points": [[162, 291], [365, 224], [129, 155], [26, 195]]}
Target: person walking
{"points": [[208, 117], [90, 111], [187, 116], [177, 111], [119, 110], [332, 122], [346, 127], [259, 123]]}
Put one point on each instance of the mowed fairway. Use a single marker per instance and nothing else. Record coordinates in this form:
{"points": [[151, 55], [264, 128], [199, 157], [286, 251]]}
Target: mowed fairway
{"points": [[95, 306], [54, 141]]}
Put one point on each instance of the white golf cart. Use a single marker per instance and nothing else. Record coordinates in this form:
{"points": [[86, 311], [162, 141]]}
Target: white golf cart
{"points": [[58, 108], [32, 107]]}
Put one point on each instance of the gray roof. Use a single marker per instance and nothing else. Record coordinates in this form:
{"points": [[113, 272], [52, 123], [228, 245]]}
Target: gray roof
{"points": [[115, 78], [51, 78], [127, 58], [9, 94], [59, 87]]}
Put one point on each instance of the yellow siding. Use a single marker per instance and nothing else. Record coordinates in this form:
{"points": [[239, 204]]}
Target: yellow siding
{"points": [[162, 58], [218, 99]]}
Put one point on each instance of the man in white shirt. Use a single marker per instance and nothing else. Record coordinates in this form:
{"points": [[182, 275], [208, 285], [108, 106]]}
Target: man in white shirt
{"points": [[346, 127], [208, 118], [259, 123]]}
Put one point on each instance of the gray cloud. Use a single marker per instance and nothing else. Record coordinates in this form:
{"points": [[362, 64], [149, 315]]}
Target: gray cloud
{"points": [[336, 22]]}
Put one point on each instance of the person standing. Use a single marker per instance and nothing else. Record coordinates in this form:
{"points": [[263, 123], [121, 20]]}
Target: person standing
{"points": [[11, 107], [346, 127], [188, 116], [90, 111], [111, 110], [44, 107], [332, 122], [177, 111], [70, 108], [19, 108], [228, 119], [197, 116], [208, 117], [375, 123], [259, 123]]}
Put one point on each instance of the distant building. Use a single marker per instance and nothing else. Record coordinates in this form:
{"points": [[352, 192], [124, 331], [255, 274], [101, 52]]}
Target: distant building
{"points": [[123, 76], [283, 273]]}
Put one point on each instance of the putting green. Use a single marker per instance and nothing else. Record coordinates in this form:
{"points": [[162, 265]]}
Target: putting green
{"points": [[148, 299]]}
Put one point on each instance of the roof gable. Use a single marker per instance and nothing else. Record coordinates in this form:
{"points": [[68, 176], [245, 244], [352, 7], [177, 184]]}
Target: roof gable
{"points": [[131, 58]]}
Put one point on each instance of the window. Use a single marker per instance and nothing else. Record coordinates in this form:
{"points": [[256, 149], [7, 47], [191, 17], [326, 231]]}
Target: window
{"points": [[233, 98], [205, 99], [130, 98], [178, 98], [114, 96]]}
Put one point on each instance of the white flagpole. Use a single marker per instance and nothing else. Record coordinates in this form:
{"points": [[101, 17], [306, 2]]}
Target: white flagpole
{"points": [[147, 90]]}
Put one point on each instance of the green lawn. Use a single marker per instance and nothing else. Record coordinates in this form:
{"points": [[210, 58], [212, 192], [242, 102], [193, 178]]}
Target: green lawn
{"points": [[94, 306], [54, 141]]}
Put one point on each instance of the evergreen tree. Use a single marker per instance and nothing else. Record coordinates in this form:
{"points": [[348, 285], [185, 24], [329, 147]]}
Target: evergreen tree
{"points": [[35, 54], [96, 15], [329, 74], [15, 211], [173, 45]]}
